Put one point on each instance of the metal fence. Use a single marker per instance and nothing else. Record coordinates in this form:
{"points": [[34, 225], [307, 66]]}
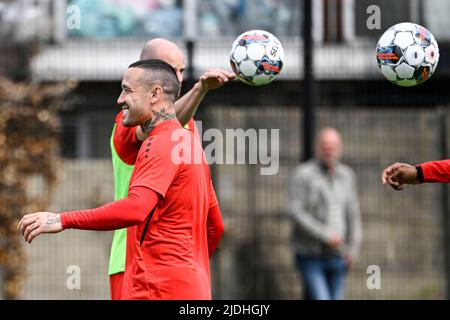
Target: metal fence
{"points": [[402, 232]]}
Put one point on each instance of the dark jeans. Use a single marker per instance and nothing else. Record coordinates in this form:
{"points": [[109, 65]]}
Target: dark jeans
{"points": [[323, 277]]}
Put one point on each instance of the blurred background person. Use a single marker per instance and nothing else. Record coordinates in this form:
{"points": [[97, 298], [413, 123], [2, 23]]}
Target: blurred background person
{"points": [[323, 202]]}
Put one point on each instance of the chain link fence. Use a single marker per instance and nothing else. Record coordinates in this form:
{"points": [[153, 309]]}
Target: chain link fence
{"points": [[403, 232]]}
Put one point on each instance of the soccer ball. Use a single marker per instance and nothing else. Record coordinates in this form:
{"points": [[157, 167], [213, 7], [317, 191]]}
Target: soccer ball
{"points": [[256, 57], [407, 54]]}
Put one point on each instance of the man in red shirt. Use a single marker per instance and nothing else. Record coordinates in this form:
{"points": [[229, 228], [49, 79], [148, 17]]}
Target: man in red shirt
{"points": [[168, 201], [126, 142], [399, 174]]}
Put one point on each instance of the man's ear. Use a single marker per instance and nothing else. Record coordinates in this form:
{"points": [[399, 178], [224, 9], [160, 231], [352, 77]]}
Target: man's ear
{"points": [[156, 94]]}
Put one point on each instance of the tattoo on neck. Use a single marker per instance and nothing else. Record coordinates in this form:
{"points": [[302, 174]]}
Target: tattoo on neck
{"points": [[160, 116]]}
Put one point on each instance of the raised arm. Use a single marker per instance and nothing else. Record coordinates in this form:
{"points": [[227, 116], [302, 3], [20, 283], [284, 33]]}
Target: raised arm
{"points": [[187, 105]]}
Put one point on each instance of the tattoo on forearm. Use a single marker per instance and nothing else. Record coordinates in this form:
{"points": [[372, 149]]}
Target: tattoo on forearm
{"points": [[160, 116]]}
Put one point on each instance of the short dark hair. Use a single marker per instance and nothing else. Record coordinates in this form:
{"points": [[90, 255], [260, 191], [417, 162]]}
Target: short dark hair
{"points": [[163, 74]]}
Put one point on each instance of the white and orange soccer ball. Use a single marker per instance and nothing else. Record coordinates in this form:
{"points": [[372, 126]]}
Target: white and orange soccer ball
{"points": [[407, 54], [256, 57]]}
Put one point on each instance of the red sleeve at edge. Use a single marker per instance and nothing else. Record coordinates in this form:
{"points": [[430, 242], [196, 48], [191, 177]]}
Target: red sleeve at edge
{"points": [[436, 171]]}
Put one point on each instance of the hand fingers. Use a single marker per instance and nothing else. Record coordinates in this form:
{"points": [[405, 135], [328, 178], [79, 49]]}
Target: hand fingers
{"points": [[29, 229], [220, 77], [391, 181], [25, 223], [223, 74], [230, 76], [397, 187], [397, 176], [25, 217], [389, 171], [213, 82], [33, 235], [394, 183], [20, 224], [384, 176], [221, 71]]}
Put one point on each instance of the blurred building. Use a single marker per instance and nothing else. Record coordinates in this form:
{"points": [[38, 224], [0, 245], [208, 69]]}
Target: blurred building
{"points": [[93, 41]]}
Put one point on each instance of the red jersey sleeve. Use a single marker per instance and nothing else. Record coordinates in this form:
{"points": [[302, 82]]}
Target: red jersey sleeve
{"points": [[115, 215], [436, 171], [154, 167], [126, 143]]}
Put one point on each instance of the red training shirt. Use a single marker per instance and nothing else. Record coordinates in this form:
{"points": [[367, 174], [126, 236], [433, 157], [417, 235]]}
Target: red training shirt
{"points": [[127, 147], [167, 258]]}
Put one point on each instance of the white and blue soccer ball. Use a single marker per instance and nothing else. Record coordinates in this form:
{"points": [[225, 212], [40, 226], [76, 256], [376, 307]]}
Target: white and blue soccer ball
{"points": [[407, 54], [256, 57]]}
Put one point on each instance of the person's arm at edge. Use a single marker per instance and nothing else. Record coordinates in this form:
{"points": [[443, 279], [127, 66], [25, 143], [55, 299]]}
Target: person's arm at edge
{"points": [[398, 174]]}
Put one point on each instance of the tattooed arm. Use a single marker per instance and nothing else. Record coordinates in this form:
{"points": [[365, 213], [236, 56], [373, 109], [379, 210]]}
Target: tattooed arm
{"points": [[36, 223]]}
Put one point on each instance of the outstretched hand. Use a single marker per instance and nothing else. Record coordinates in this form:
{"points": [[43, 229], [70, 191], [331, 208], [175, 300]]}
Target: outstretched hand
{"points": [[215, 78], [398, 174], [33, 224]]}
